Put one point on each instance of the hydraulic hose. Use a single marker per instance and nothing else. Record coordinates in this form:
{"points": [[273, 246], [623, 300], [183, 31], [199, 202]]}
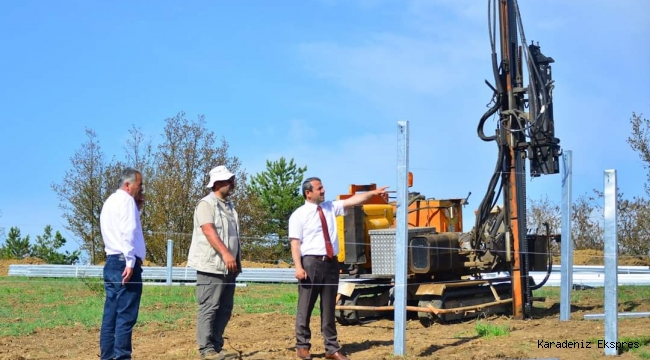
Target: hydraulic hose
{"points": [[550, 259], [481, 123]]}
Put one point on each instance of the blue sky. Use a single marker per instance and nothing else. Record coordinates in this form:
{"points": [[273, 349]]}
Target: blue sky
{"points": [[323, 81]]}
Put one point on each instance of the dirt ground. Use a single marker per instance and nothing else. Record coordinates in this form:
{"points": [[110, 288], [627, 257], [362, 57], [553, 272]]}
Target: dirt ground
{"points": [[270, 336], [596, 257], [4, 264]]}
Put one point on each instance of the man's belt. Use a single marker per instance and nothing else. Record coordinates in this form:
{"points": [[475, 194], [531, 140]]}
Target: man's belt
{"points": [[320, 257]]}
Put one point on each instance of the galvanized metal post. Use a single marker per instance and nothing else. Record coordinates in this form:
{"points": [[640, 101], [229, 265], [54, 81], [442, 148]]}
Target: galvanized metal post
{"points": [[611, 263], [566, 269], [170, 252], [401, 237]]}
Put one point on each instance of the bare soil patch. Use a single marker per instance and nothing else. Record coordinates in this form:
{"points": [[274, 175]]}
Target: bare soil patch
{"points": [[270, 336], [4, 264], [597, 257]]}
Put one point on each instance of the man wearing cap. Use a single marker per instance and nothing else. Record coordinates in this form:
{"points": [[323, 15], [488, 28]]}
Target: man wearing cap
{"points": [[314, 247], [215, 253], [125, 249]]}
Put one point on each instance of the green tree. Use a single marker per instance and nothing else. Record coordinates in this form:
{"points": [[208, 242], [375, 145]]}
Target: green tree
{"points": [[279, 191], [15, 246], [47, 246]]}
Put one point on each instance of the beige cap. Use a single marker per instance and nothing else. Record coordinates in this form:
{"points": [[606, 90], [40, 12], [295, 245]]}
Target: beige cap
{"points": [[220, 173]]}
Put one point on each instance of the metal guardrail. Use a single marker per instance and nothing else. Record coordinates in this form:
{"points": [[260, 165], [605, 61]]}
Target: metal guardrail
{"points": [[582, 275], [587, 279], [601, 269], [149, 273]]}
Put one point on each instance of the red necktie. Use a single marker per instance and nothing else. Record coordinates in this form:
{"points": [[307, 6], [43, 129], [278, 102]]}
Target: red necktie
{"points": [[326, 233]]}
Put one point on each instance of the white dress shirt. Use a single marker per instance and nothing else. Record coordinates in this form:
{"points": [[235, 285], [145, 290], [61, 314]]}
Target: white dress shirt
{"points": [[121, 227], [305, 225]]}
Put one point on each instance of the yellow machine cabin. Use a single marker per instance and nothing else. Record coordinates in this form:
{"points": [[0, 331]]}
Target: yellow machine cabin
{"points": [[379, 213]]}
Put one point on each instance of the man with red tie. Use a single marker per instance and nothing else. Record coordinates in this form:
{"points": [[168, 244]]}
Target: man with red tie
{"points": [[314, 247]]}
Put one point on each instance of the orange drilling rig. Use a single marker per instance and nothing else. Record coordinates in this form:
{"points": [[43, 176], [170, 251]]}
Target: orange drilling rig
{"points": [[447, 266]]}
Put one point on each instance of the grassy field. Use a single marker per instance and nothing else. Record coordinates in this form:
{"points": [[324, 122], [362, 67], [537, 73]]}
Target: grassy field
{"points": [[629, 297], [27, 304]]}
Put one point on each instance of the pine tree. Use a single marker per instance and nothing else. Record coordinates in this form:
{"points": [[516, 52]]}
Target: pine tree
{"points": [[15, 246]]}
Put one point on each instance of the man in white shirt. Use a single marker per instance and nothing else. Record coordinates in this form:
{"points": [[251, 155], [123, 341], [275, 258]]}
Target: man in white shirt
{"points": [[125, 250], [314, 247]]}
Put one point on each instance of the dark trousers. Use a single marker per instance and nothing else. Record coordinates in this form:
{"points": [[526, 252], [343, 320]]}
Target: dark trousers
{"points": [[120, 308], [215, 296], [322, 279]]}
